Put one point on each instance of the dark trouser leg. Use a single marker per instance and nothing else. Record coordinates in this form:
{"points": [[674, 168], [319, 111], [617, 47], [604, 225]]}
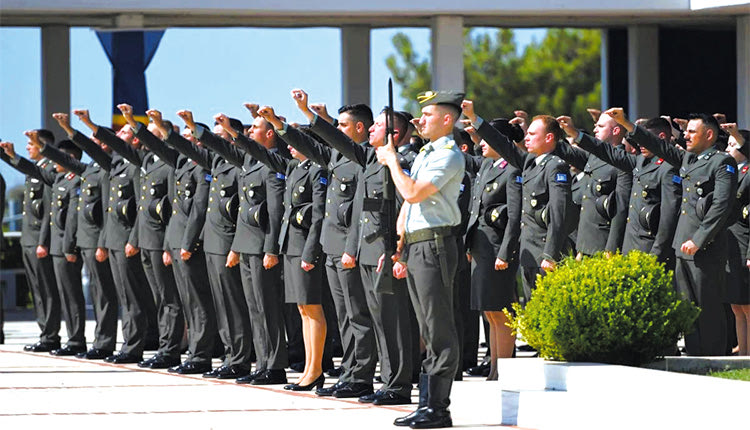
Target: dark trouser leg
{"points": [[528, 273], [71, 297], [132, 291], [234, 308], [295, 341], [392, 326], [700, 281], [191, 277], [104, 298], [262, 293], [349, 283], [170, 319], [432, 296], [40, 276]]}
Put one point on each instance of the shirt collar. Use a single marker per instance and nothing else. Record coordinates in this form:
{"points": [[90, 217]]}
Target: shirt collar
{"points": [[540, 158]]}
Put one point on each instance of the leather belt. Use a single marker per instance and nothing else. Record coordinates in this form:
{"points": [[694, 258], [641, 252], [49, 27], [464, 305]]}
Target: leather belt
{"points": [[426, 234]]}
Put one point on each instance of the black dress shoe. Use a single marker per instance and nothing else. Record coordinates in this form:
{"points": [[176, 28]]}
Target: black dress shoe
{"points": [[190, 368], [215, 373], [68, 350], [249, 377], [391, 398], [147, 362], [233, 372], [123, 358], [270, 377], [481, 370], [369, 398], [328, 391], [317, 383], [429, 418], [164, 362], [355, 389], [94, 354], [335, 372], [41, 347]]}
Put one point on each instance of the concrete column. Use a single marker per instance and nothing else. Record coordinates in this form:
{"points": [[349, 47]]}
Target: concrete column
{"points": [[643, 71], [604, 67], [448, 53], [743, 71], [55, 75], [355, 64]]}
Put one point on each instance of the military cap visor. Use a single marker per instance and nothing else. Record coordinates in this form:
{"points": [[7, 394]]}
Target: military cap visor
{"points": [[451, 98]]}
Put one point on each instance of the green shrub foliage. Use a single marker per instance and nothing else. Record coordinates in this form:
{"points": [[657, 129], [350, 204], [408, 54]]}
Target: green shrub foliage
{"points": [[618, 310]]}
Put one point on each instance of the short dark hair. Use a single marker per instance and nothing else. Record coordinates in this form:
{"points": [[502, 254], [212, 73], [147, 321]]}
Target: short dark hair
{"points": [[46, 136], [465, 139], [658, 125], [708, 120], [550, 126], [236, 124], [69, 147], [360, 112], [168, 125], [400, 122]]}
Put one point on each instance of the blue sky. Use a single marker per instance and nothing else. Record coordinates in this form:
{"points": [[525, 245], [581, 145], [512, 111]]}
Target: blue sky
{"points": [[204, 70]]}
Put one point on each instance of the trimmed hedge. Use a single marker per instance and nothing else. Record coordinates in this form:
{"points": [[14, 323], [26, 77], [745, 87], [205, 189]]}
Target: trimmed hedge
{"points": [[618, 310]]}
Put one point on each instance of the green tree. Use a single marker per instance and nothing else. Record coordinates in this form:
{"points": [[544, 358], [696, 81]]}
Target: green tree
{"points": [[558, 75]]}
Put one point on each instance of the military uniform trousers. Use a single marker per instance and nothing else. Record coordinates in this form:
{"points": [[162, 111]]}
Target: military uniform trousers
{"points": [[71, 299], [191, 277], [41, 278], [430, 273], [461, 298], [393, 332], [169, 316], [104, 298], [231, 310], [265, 298], [135, 299], [528, 276], [354, 322], [701, 280]]}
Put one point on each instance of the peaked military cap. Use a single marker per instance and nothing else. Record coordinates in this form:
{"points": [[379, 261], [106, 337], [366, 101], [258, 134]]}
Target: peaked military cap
{"points": [[452, 98]]}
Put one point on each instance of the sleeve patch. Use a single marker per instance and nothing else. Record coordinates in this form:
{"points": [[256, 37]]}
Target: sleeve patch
{"points": [[407, 172], [676, 179], [463, 187], [519, 179], [208, 177], [281, 176], [731, 169], [324, 181], [561, 177]]}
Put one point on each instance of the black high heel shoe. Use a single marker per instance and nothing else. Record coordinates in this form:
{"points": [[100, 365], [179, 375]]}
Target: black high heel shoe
{"points": [[317, 383], [289, 386]]}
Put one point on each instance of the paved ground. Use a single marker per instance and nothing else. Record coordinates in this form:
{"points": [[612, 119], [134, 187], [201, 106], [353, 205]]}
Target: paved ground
{"points": [[42, 391]]}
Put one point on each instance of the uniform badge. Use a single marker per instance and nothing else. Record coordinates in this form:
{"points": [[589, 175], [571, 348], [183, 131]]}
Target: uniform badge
{"points": [[407, 172], [503, 164], [280, 176], [744, 169], [299, 217], [494, 215], [119, 193], [676, 179], [659, 161], [488, 188], [251, 193], [534, 202], [494, 185], [301, 188], [731, 169], [561, 177], [699, 191], [222, 193], [598, 188], [519, 179], [323, 181], [745, 212], [187, 193], [342, 187], [152, 191], [207, 177]]}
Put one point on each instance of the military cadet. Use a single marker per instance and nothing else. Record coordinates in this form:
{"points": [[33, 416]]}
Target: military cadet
{"points": [[492, 241], [604, 205], [256, 243], [355, 322], [89, 238], [183, 248], [655, 198], [388, 309], [709, 187], [66, 260], [154, 211], [223, 266], [299, 241], [132, 287], [547, 204], [738, 285], [35, 229], [405, 146], [427, 253]]}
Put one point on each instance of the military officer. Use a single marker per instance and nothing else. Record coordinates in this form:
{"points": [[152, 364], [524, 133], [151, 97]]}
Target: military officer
{"points": [[428, 249], [132, 287], [256, 243], [709, 187], [218, 234], [655, 198], [37, 263], [183, 247], [547, 204], [65, 254], [89, 238]]}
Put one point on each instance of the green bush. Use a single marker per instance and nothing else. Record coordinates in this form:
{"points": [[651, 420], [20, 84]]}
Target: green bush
{"points": [[618, 310]]}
